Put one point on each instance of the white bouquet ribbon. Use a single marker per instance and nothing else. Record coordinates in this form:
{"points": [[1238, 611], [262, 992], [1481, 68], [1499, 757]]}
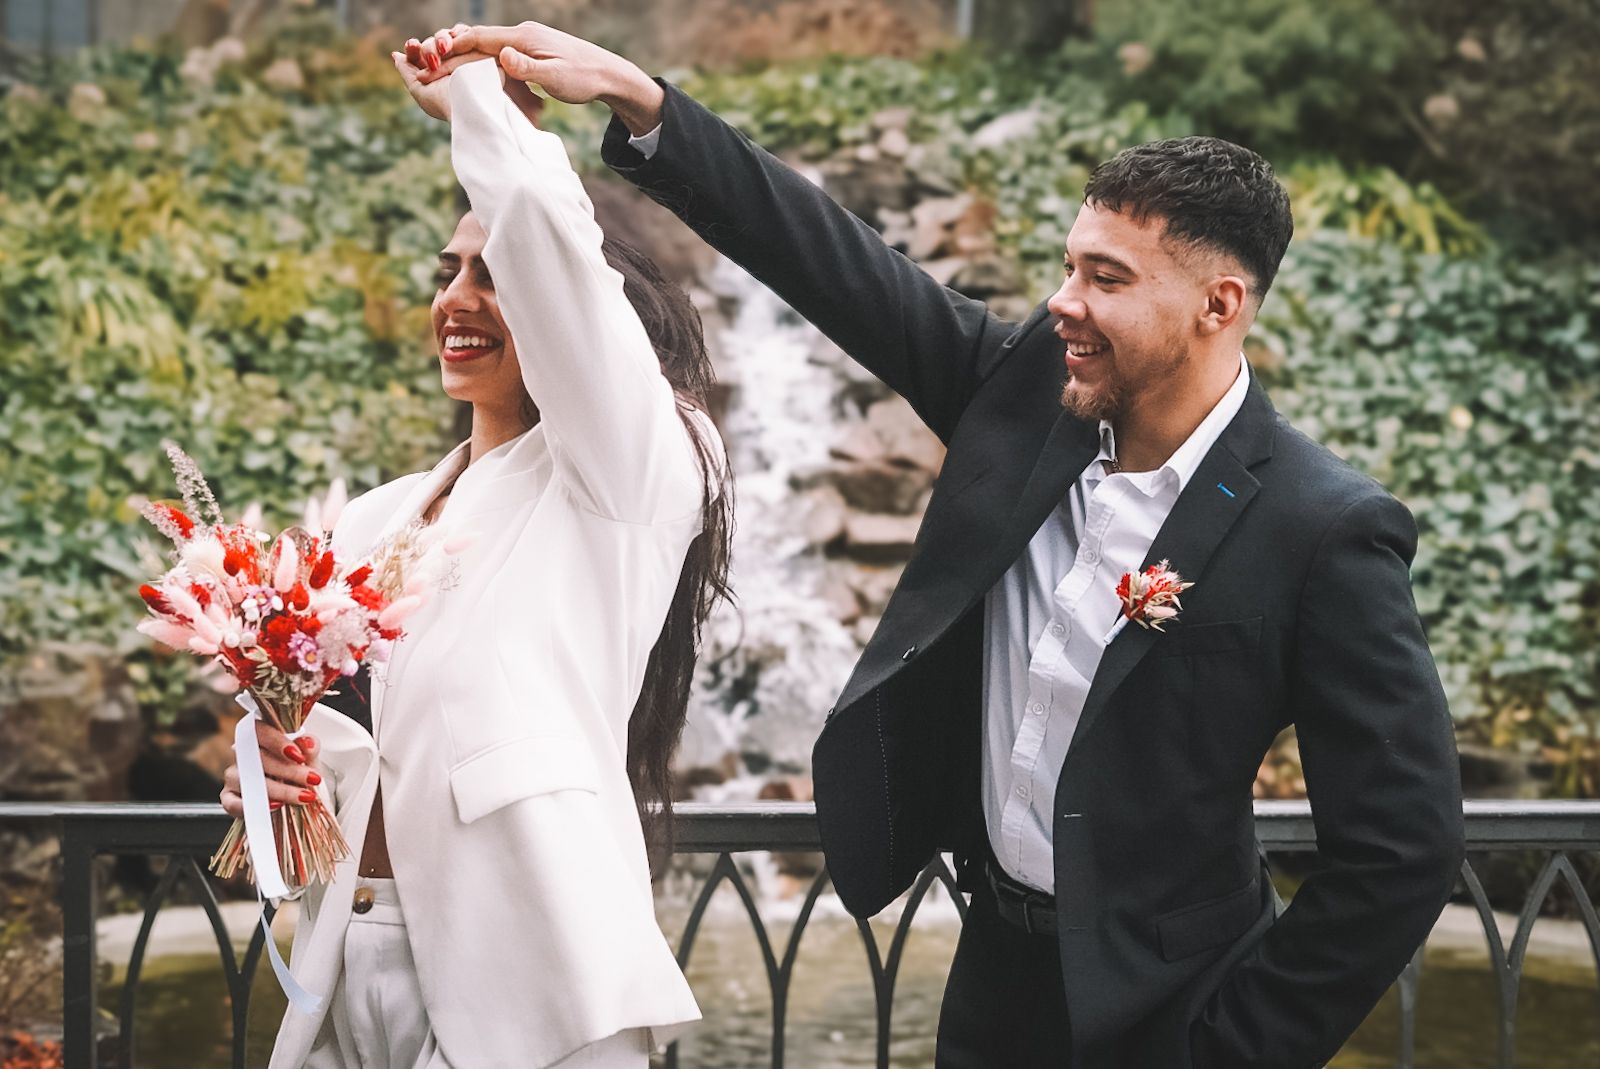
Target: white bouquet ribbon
{"points": [[262, 843]]}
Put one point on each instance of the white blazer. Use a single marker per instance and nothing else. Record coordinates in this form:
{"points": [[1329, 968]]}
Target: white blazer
{"points": [[501, 720]]}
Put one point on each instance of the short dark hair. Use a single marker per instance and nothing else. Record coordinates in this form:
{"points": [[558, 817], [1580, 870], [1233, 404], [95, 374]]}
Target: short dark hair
{"points": [[1211, 193]]}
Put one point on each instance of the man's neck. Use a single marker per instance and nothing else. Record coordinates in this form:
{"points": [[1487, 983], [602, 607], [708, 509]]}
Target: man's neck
{"points": [[1159, 420]]}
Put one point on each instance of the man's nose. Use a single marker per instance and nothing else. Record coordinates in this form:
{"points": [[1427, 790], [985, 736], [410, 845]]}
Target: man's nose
{"points": [[1065, 304]]}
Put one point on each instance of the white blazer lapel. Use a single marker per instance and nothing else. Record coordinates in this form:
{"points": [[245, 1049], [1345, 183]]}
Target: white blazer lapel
{"points": [[422, 495]]}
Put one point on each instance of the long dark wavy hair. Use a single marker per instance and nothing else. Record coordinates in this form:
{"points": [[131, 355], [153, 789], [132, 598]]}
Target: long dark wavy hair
{"points": [[658, 717]]}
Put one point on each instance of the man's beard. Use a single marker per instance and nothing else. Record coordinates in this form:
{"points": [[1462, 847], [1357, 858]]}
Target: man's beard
{"points": [[1104, 403]]}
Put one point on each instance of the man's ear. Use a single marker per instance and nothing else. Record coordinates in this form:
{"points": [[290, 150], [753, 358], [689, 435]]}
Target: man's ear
{"points": [[1227, 304]]}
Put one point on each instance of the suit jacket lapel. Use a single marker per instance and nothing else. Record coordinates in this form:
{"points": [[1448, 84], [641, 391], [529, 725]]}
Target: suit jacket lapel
{"points": [[1072, 444], [1207, 509]]}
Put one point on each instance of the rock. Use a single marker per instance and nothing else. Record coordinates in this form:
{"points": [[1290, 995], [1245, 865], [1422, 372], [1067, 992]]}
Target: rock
{"points": [[1442, 109], [894, 143], [1136, 57], [840, 599], [892, 119], [787, 789], [860, 442], [972, 234], [1010, 307], [821, 514], [1008, 127], [873, 586], [904, 436], [284, 74], [86, 101], [944, 269], [880, 486], [932, 225], [987, 276], [624, 212], [898, 233], [883, 532], [865, 186], [69, 724]]}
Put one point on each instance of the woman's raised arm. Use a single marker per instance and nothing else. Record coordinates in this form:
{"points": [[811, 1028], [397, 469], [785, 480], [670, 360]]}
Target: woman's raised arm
{"points": [[610, 415]]}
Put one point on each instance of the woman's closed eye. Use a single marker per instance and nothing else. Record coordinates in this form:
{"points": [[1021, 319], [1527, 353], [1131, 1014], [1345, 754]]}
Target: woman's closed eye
{"points": [[450, 269]]}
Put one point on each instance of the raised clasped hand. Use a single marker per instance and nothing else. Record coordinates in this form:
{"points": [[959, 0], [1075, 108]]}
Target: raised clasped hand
{"points": [[568, 68]]}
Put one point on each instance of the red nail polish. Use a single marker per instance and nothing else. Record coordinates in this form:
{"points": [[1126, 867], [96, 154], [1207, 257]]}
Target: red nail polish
{"points": [[308, 744], [433, 62], [275, 805], [444, 44], [292, 752], [313, 779], [414, 52], [308, 796]]}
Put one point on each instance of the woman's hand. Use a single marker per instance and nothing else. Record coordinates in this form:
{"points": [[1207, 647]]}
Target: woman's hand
{"points": [[291, 768], [568, 68], [433, 97]]}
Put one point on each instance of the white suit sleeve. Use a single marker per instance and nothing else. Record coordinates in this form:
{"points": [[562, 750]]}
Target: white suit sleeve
{"points": [[610, 416]]}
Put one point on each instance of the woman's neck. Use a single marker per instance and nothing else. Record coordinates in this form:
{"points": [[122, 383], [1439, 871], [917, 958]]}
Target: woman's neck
{"points": [[494, 427]]}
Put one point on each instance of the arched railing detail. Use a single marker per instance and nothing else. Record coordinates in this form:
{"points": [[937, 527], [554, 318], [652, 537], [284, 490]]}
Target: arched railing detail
{"points": [[187, 834], [778, 973], [885, 973]]}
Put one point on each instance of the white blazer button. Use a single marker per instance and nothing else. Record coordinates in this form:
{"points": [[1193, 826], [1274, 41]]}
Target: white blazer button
{"points": [[363, 900]]}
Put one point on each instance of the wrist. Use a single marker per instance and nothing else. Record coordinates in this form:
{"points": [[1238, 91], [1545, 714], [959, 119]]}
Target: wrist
{"points": [[635, 99]]}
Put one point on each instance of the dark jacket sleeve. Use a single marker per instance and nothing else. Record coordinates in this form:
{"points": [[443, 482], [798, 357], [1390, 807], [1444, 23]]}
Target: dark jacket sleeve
{"points": [[924, 340], [1378, 748]]}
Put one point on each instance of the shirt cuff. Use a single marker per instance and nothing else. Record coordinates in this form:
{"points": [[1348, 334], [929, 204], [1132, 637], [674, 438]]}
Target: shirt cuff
{"points": [[646, 144]]}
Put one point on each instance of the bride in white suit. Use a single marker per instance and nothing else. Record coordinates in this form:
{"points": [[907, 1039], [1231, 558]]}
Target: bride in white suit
{"points": [[500, 912]]}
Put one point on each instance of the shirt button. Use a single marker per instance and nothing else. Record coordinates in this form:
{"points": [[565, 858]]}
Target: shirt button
{"points": [[1036, 707], [1090, 556], [1057, 630], [363, 900], [1022, 792]]}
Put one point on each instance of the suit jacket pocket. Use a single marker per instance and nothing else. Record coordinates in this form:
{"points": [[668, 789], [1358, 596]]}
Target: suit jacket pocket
{"points": [[1225, 637], [521, 768], [1209, 924]]}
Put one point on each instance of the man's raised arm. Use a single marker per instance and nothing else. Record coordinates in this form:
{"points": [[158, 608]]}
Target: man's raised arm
{"points": [[926, 341]]}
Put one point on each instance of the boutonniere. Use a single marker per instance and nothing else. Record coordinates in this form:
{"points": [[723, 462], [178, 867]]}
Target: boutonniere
{"points": [[1150, 597]]}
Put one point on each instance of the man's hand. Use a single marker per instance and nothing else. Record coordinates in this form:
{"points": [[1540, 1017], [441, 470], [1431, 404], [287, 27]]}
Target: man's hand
{"points": [[291, 769], [568, 68]]}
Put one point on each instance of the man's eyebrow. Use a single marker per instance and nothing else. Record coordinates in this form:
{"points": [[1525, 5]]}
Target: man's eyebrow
{"points": [[449, 259], [1103, 260]]}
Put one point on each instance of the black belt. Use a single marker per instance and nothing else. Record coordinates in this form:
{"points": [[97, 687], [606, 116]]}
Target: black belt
{"points": [[1022, 907]]}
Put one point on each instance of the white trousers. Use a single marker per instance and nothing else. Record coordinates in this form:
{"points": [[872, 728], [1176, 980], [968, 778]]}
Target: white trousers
{"points": [[378, 1015]]}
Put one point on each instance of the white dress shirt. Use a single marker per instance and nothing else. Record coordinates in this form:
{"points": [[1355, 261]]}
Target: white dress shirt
{"points": [[1047, 622]]}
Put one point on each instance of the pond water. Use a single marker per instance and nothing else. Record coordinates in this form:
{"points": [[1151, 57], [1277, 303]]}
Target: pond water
{"points": [[183, 1017]]}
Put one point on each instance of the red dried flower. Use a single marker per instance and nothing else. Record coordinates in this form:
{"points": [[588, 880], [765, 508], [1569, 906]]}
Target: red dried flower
{"points": [[322, 571], [156, 600]]}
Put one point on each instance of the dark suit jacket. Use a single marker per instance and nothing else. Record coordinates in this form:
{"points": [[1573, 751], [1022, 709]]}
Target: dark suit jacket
{"points": [[1301, 613]]}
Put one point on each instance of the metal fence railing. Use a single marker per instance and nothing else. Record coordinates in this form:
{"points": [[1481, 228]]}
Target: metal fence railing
{"points": [[187, 834]]}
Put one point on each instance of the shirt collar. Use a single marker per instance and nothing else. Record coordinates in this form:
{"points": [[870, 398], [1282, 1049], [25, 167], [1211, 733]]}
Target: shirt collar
{"points": [[1186, 459]]}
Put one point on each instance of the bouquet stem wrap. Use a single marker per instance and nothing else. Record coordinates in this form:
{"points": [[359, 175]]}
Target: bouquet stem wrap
{"points": [[306, 840]]}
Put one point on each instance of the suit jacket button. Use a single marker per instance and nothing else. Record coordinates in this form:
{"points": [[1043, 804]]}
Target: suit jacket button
{"points": [[909, 653], [363, 900]]}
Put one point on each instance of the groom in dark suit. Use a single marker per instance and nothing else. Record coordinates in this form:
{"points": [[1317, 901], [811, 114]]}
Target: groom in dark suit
{"points": [[1091, 773]]}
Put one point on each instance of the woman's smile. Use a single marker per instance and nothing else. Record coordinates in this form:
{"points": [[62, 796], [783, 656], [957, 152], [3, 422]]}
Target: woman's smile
{"points": [[463, 345]]}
